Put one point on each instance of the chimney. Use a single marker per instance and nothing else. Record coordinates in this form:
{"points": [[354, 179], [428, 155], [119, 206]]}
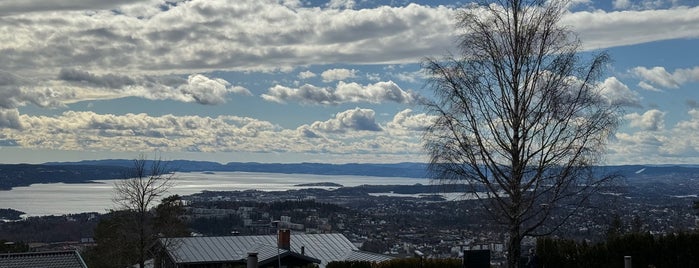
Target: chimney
{"points": [[303, 250], [284, 239], [252, 260]]}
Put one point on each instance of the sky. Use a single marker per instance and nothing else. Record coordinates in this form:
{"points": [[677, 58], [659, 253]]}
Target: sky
{"points": [[293, 81]]}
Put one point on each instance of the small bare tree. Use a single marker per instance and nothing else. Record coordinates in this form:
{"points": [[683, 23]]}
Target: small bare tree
{"points": [[520, 118], [146, 182]]}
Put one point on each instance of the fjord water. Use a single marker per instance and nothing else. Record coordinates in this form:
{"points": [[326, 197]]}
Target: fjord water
{"points": [[61, 198]]}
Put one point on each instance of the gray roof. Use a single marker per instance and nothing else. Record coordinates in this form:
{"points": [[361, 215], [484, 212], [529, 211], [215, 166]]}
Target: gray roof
{"points": [[52, 259], [324, 247]]}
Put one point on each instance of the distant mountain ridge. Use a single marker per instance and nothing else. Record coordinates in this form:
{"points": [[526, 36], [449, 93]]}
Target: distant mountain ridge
{"points": [[13, 175], [410, 170]]}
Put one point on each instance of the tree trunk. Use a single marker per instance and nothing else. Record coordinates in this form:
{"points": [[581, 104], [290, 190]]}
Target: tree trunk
{"points": [[514, 248]]}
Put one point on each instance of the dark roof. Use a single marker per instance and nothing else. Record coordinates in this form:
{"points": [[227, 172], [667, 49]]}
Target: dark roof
{"points": [[50, 259], [324, 247]]}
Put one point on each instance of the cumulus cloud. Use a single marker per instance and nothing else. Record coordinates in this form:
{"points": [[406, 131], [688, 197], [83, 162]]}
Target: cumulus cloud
{"points": [[616, 93], [406, 120], [306, 132], [205, 35], [350, 120], [352, 132], [693, 123], [205, 90], [74, 85], [651, 120], [659, 77], [341, 4], [379, 92], [411, 77], [621, 4], [9, 118], [14, 96], [338, 74], [306, 75], [199, 36]]}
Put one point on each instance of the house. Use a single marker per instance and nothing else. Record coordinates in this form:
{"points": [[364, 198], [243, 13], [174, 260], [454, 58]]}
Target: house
{"points": [[48, 259], [294, 250]]}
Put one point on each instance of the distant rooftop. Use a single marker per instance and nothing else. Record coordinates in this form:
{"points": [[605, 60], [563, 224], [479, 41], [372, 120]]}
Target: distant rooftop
{"points": [[324, 247], [50, 259]]}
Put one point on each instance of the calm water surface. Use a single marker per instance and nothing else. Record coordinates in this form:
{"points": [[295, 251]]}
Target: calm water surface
{"points": [[61, 198]]}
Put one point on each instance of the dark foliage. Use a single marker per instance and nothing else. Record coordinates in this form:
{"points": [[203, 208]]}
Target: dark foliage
{"points": [[13, 247], [118, 241], [216, 226], [48, 229], [26, 174], [10, 214], [674, 250]]}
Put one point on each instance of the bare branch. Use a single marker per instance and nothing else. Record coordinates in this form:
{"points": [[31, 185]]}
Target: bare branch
{"points": [[519, 115]]}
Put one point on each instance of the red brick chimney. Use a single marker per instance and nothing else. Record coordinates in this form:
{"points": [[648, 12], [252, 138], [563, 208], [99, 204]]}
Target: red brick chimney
{"points": [[284, 239]]}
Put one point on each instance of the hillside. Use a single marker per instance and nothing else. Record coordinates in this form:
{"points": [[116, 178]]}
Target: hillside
{"points": [[13, 175]]}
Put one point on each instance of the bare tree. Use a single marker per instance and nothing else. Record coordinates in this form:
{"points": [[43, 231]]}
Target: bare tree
{"points": [[146, 182], [520, 117]]}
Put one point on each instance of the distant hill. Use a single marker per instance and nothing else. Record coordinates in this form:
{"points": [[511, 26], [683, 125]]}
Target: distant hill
{"points": [[26, 174], [89, 170], [410, 170]]}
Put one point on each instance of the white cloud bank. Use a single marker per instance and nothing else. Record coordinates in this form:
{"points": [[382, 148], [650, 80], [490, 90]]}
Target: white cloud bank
{"points": [[657, 78], [379, 92], [159, 37], [355, 131], [338, 74]]}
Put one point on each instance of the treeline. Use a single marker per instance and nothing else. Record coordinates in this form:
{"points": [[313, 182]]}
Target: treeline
{"points": [[9, 214], [26, 174], [410, 170], [646, 250], [50, 228]]}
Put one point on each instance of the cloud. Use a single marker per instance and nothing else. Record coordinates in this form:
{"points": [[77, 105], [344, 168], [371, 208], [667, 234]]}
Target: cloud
{"points": [[349, 4], [621, 4], [107, 80], [411, 77], [10, 7], [350, 120], [209, 91], [74, 85], [646, 86], [9, 118], [651, 120], [199, 36], [379, 92], [338, 74], [8, 143], [306, 75], [616, 93], [601, 29], [306, 132], [659, 77], [653, 143], [692, 124], [406, 120], [14, 96], [353, 132]]}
